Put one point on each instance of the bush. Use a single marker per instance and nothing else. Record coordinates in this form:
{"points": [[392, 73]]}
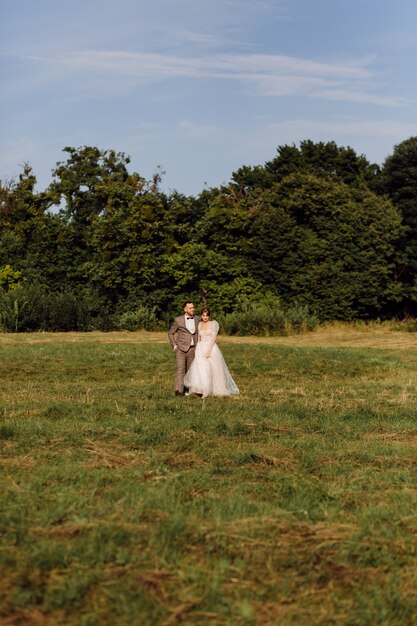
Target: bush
{"points": [[31, 308], [409, 325], [142, 318], [300, 319], [260, 318]]}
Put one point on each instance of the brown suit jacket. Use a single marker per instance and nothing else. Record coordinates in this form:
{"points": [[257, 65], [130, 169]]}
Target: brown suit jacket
{"points": [[180, 336]]}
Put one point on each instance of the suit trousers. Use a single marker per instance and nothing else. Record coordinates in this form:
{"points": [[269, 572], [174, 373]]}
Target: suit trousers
{"points": [[183, 363]]}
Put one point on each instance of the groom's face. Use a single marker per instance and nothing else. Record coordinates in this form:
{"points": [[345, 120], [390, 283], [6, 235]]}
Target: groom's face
{"points": [[189, 308]]}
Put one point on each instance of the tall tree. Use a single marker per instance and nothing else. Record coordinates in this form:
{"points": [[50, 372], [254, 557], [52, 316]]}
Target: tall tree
{"points": [[83, 181], [86, 184], [323, 159], [128, 242], [30, 236], [400, 184], [327, 245]]}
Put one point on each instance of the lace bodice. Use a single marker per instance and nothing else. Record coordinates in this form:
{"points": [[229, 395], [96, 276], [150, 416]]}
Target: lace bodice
{"points": [[208, 334]]}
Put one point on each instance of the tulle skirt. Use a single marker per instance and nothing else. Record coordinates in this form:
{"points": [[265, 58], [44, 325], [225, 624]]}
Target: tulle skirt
{"points": [[210, 376]]}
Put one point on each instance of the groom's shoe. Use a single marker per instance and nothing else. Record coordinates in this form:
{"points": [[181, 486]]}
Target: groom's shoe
{"points": [[178, 393]]}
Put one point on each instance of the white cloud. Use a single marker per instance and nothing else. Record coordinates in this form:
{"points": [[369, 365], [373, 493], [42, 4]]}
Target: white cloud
{"points": [[361, 96], [261, 74], [230, 66]]}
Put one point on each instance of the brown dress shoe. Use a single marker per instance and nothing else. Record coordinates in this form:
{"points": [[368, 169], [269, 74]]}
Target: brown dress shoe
{"points": [[178, 393]]}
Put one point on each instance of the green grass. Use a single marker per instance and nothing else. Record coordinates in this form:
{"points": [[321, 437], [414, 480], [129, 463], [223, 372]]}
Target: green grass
{"points": [[121, 504]]}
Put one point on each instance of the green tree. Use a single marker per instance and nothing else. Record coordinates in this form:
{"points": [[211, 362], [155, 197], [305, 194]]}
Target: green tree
{"points": [[85, 180], [84, 185], [400, 184], [327, 245], [128, 242], [196, 271], [323, 159], [31, 237], [9, 278]]}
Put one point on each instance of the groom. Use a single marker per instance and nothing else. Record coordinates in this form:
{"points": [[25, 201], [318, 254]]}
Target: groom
{"points": [[183, 337]]}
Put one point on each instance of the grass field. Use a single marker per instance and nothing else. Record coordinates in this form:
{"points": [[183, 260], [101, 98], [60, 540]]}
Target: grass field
{"points": [[294, 503]]}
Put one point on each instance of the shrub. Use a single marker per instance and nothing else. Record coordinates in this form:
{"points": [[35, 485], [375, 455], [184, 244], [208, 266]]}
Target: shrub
{"points": [[260, 318], [409, 324], [300, 319], [32, 308], [142, 318]]}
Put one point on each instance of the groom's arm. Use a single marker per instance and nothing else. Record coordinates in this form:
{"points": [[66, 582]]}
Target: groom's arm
{"points": [[171, 334]]}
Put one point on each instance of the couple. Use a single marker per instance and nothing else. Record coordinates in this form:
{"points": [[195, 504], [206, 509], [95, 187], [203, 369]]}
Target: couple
{"points": [[200, 366]]}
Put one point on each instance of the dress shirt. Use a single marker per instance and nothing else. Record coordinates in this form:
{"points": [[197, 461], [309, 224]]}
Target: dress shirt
{"points": [[190, 325]]}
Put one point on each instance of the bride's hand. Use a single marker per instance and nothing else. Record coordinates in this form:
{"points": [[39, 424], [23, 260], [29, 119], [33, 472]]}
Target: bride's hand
{"points": [[208, 355]]}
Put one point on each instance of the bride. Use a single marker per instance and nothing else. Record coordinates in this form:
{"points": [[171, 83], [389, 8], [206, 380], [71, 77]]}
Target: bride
{"points": [[208, 374]]}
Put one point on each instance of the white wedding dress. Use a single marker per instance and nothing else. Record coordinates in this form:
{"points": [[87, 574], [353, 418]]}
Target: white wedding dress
{"points": [[209, 376]]}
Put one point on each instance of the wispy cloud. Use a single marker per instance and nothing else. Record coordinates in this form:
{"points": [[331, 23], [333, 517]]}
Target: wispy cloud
{"points": [[227, 65], [362, 97], [260, 74]]}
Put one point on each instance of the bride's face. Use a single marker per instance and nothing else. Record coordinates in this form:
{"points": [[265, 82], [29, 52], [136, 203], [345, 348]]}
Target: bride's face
{"points": [[205, 316]]}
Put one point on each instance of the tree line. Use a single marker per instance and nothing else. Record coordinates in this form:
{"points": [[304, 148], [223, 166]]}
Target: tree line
{"points": [[317, 233]]}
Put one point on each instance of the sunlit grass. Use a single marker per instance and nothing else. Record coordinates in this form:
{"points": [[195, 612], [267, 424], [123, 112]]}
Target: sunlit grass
{"points": [[294, 503]]}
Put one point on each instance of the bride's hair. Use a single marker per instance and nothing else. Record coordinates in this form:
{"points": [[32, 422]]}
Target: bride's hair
{"points": [[205, 309]]}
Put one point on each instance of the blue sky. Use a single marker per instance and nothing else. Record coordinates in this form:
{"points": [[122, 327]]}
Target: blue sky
{"points": [[201, 87]]}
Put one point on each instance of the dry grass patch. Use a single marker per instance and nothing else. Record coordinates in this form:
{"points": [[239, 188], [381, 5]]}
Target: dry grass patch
{"points": [[112, 455]]}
